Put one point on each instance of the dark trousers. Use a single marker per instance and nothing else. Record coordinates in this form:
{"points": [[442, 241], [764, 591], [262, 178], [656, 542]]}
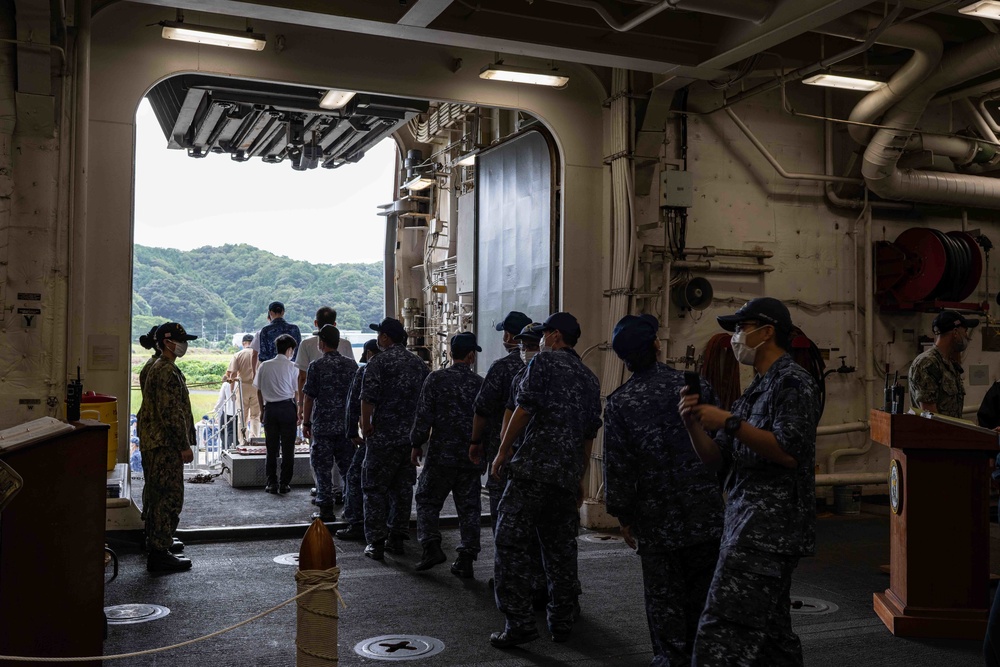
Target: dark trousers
{"points": [[354, 500], [280, 422], [991, 645], [531, 511], [162, 495], [747, 621], [433, 487], [227, 431], [387, 479]]}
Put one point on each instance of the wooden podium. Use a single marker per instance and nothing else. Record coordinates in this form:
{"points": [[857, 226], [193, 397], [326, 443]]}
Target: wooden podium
{"points": [[52, 546], [939, 526]]}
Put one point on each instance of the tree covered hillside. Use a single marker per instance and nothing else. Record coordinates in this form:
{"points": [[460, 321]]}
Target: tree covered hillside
{"points": [[227, 289]]}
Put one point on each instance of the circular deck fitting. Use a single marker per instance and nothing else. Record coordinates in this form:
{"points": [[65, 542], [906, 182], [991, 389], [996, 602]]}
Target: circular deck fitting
{"points": [[125, 614], [399, 647], [601, 538], [812, 606], [287, 559]]}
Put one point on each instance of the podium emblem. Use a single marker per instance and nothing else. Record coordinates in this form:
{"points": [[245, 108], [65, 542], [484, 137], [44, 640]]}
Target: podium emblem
{"points": [[895, 487]]}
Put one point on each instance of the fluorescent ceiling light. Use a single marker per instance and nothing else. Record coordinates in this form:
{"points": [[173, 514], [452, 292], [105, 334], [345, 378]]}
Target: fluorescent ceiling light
{"points": [[538, 77], [987, 9], [419, 183], [847, 82], [234, 39], [467, 160], [336, 99]]}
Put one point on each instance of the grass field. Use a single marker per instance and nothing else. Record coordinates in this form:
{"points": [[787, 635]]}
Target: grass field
{"points": [[201, 403]]}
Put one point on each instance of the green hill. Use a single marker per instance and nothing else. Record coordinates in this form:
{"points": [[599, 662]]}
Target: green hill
{"points": [[227, 289]]}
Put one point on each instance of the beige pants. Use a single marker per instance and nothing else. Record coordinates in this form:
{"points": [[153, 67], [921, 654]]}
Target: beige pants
{"points": [[251, 410]]}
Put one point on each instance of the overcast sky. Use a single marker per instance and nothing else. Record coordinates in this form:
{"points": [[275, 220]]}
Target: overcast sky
{"points": [[322, 215]]}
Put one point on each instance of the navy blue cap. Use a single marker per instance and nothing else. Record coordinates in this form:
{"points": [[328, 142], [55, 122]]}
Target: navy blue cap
{"points": [[391, 327], [172, 331], [329, 334], [514, 322], [633, 333], [563, 323], [463, 343], [949, 320], [275, 307], [532, 332], [763, 309], [371, 345]]}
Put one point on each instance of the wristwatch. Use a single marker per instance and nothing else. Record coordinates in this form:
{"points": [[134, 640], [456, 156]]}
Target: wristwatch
{"points": [[732, 425]]}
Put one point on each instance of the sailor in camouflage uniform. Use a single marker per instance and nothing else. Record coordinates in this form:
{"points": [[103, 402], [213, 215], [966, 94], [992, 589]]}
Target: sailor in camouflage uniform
{"points": [[354, 500], [767, 452], [936, 375], [444, 424], [559, 410], [388, 405], [168, 427], [325, 394], [490, 402], [667, 501]]}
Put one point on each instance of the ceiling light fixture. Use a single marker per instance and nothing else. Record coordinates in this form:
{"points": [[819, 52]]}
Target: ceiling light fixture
{"points": [[419, 183], [336, 99], [234, 39], [539, 77], [845, 82], [987, 9]]}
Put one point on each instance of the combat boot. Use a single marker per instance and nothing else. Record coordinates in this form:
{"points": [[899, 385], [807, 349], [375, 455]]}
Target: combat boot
{"points": [[394, 544], [463, 566], [432, 556], [352, 532], [376, 550], [164, 561], [176, 547], [325, 513]]}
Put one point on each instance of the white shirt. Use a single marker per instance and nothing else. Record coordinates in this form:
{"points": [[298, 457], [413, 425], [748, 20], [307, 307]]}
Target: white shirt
{"points": [[309, 352], [226, 404], [255, 343], [277, 379]]}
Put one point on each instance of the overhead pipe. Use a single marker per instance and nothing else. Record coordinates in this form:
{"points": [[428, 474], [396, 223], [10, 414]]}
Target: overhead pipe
{"points": [[980, 123], [986, 116], [927, 48], [712, 251], [794, 176], [721, 267], [880, 167], [852, 479], [754, 11]]}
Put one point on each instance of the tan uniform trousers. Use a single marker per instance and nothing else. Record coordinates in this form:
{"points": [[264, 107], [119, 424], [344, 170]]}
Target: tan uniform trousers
{"points": [[251, 411]]}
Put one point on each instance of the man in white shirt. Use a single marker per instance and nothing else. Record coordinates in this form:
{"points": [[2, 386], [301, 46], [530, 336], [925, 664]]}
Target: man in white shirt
{"points": [[308, 353], [276, 383], [225, 414]]}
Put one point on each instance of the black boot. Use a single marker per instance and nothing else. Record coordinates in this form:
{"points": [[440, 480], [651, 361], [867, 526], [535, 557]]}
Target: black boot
{"points": [[376, 550], [177, 547], [164, 561], [352, 532], [325, 513], [432, 556], [463, 566], [394, 544]]}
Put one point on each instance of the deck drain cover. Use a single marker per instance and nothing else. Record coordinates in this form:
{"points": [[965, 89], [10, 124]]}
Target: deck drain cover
{"points": [[124, 614], [399, 647], [812, 606], [600, 538], [287, 559]]}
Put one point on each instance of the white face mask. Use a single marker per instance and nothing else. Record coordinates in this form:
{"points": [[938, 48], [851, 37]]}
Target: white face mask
{"points": [[962, 342], [526, 355], [180, 348], [743, 352], [543, 345]]}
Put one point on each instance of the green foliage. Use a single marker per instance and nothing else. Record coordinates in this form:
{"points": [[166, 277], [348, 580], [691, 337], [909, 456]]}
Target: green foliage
{"points": [[197, 371], [221, 290]]}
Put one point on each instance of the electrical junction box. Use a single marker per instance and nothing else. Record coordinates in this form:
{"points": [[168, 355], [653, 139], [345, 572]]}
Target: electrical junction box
{"points": [[676, 190]]}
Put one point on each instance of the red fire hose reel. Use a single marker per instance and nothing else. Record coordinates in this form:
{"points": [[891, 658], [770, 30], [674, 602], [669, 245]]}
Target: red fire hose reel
{"points": [[927, 270]]}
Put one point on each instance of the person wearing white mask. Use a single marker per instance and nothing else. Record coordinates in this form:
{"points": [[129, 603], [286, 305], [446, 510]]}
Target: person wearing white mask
{"points": [[765, 449], [277, 382], [936, 375], [168, 439]]}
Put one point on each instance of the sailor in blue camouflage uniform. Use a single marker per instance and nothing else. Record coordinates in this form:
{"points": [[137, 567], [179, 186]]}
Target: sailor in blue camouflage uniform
{"points": [[325, 394], [559, 411], [527, 344], [388, 405], [490, 402], [263, 343], [667, 501], [767, 451], [444, 423], [354, 501]]}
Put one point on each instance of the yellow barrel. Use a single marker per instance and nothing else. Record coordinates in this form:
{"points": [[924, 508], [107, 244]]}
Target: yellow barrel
{"points": [[104, 409]]}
